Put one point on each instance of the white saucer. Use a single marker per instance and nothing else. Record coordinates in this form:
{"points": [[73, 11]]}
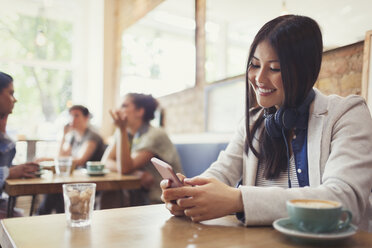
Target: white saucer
{"points": [[286, 227], [97, 173]]}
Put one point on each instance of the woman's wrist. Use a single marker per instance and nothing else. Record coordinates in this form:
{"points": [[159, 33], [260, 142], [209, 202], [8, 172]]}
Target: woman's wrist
{"points": [[122, 129], [237, 200]]}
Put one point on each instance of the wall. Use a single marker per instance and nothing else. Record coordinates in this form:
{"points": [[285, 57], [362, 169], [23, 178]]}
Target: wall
{"points": [[184, 111], [341, 74], [341, 71]]}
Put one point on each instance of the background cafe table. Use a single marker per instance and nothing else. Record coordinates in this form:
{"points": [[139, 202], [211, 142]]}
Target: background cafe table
{"points": [[148, 226], [50, 184]]}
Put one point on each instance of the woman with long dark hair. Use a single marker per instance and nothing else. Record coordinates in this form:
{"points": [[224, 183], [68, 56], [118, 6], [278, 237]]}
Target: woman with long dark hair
{"points": [[295, 142], [7, 145]]}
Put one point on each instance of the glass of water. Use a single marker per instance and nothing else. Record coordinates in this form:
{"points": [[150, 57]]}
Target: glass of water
{"points": [[63, 166]]}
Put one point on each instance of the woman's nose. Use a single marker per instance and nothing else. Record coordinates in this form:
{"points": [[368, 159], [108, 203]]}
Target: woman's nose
{"points": [[261, 76]]}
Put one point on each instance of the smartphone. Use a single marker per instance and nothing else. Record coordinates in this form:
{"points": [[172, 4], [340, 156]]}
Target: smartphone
{"points": [[166, 171]]}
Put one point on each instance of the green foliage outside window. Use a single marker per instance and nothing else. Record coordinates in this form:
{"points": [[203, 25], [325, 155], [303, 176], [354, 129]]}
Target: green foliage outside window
{"points": [[42, 73]]}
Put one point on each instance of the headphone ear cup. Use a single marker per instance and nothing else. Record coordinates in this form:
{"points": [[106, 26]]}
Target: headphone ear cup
{"points": [[271, 127], [283, 118], [289, 118], [279, 117]]}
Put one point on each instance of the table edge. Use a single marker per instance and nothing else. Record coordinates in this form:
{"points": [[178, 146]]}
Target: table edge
{"points": [[12, 189], [5, 239]]}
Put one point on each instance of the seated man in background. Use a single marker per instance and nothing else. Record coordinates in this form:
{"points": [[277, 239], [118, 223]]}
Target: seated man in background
{"points": [[82, 144], [135, 144], [7, 146]]}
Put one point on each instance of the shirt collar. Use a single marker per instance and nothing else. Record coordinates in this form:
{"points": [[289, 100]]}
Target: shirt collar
{"points": [[320, 104], [143, 129]]}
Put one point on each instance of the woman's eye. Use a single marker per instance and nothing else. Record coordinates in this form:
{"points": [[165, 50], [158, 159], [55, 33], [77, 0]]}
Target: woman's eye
{"points": [[275, 69], [255, 66]]}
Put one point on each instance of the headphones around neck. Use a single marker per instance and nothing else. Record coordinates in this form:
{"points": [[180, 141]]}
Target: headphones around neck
{"points": [[286, 118]]}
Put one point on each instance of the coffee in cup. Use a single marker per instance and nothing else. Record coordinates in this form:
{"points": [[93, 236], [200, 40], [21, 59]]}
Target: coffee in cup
{"points": [[95, 166], [318, 216]]}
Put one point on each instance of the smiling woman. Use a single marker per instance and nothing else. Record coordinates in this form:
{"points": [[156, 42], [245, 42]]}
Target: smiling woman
{"points": [[265, 76], [295, 142]]}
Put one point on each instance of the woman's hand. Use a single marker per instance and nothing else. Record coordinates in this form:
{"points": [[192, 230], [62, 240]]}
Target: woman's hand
{"points": [[170, 203], [26, 170], [67, 128], [208, 199], [120, 120]]}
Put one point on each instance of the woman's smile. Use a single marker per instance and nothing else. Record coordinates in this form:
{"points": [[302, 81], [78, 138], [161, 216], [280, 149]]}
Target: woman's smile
{"points": [[263, 91], [265, 76]]}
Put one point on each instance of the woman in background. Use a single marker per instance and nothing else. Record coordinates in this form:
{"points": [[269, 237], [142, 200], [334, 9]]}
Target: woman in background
{"points": [[80, 142], [7, 145], [135, 144]]}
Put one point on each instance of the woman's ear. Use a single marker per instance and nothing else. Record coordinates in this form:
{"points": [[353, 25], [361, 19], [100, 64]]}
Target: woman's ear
{"points": [[87, 119], [141, 112]]}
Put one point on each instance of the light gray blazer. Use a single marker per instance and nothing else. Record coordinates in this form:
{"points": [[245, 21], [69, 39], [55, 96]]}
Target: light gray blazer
{"points": [[339, 160]]}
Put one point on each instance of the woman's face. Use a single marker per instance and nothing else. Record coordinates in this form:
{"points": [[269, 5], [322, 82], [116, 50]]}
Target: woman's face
{"points": [[129, 111], [265, 76], [7, 100], [78, 120]]}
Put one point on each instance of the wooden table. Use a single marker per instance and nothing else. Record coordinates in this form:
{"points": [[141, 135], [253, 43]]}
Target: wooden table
{"points": [[149, 226], [51, 184]]}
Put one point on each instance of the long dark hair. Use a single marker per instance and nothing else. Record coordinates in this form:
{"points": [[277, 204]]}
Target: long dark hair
{"points": [[297, 40], [147, 102], [5, 80]]}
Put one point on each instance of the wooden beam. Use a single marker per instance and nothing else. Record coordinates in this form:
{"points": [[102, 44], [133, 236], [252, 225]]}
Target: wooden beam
{"points": [[200, 41], [118, 16], [133, 10], [111, 65]]}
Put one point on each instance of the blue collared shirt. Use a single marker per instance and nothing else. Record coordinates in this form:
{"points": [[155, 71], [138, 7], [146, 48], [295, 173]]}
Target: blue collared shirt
{"points": [[7, 153], [299, 148]]}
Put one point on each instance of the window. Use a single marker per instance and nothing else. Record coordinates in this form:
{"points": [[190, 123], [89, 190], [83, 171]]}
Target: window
{"points": [[36, 51], [225, 105], [229, 32], [158, 54]]}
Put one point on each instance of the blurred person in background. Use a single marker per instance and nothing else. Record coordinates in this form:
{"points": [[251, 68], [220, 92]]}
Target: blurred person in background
{"points": [[135, 144], [8, 146], [81, 143]]}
